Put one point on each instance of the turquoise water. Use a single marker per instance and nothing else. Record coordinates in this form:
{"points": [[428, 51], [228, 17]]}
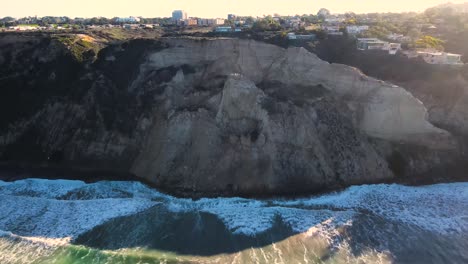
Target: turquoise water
{"points": [[43, 221]]}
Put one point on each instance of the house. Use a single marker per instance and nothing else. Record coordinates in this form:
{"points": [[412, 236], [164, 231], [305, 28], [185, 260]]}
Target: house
{"points": [[130, 26], [210, 22], [377, 44], [295, 23], [354, 30], [332, 30], [293, 36], [371, 44], [334, 20], [150, 26], [223, 29], [442, 58], [189, 22], [26, 28], [227, 29], [398, 37], [128, 20], [393, 48]]}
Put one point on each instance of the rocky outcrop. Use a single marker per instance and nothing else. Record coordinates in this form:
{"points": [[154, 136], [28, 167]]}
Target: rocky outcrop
{"points": [[228, 116], [381, 109], [253, 144]]}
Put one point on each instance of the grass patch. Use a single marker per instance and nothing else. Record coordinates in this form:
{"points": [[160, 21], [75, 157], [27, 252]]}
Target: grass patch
{"points": [[78, 46], [28, 25]]}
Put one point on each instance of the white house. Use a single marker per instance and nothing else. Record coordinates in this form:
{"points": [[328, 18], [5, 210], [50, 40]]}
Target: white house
{"points": [[353, 30], [399, 37], [393, 48], [295, 23], [334, 20], [442, 58], [377, 44], [293, 36], [332, 30], [128, 20]]}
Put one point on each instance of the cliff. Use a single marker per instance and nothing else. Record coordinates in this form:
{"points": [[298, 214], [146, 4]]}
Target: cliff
{"points": [[216, 117]]}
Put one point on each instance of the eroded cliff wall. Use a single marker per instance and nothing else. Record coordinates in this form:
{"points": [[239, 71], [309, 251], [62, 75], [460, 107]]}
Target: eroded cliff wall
{"points": [[222, 116]]}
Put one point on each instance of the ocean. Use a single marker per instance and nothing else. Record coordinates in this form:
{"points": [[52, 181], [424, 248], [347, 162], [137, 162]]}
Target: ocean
{"points": [[65, 221]]}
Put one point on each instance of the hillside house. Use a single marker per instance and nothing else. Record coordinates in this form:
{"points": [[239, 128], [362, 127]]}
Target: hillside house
{"points": [[332, 30], [293, 36], [377, 44], [354, 30], [441, 58]]}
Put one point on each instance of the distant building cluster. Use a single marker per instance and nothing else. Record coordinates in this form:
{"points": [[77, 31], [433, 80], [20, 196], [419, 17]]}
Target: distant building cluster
{"points": [[128, 20], [364, 28], [181, 18]]}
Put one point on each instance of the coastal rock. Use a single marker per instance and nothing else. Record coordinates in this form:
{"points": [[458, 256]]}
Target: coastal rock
{"points": [[218, 117]]}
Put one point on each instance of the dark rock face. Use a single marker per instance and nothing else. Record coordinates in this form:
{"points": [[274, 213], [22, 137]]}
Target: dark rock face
{"points": [[211, 117]]}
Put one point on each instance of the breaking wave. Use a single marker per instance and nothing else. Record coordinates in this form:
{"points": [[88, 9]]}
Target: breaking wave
{"points": [[53, 213]]}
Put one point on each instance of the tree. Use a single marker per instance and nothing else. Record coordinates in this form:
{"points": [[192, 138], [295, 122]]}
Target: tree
{"points": [[266, 24], [430, 42], [323, 13]]}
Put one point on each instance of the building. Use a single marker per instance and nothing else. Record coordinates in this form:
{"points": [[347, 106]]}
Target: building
{"points": [[130, 26], [128, 20], [398, 37], [371, 44], [24, 28], [210, 22], [189, 22], [442, 58], [295, 23], [393, 48], [293, 36], [377, 44], [334, 20], [227, 29], [178, 15], [354, 30], [231, 17], [332, 30]]}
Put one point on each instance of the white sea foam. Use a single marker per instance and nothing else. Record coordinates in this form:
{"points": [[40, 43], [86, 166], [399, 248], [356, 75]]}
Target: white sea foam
{"points": [[32, 216], [67, 208], [39, 187], [439, 208]]}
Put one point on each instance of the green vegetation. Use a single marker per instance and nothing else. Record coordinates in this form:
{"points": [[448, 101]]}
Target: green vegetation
{"points": [[430, 42], [80, 48], [266, 24], [28, 25], [116, 33]]}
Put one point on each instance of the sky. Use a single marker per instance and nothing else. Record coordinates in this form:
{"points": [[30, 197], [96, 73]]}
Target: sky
{"points": [[204, 8]]}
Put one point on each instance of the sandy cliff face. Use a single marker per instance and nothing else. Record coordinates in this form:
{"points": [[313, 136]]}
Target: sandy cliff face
{"points": [[381, 109], [230, 117], [251, 143]]}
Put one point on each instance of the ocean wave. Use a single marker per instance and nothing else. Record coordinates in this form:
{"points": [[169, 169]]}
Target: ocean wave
{"points": [[68, 208]]}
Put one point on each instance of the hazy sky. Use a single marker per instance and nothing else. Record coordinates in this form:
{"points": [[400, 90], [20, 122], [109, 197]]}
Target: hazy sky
{"points": [[204, 8]]}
